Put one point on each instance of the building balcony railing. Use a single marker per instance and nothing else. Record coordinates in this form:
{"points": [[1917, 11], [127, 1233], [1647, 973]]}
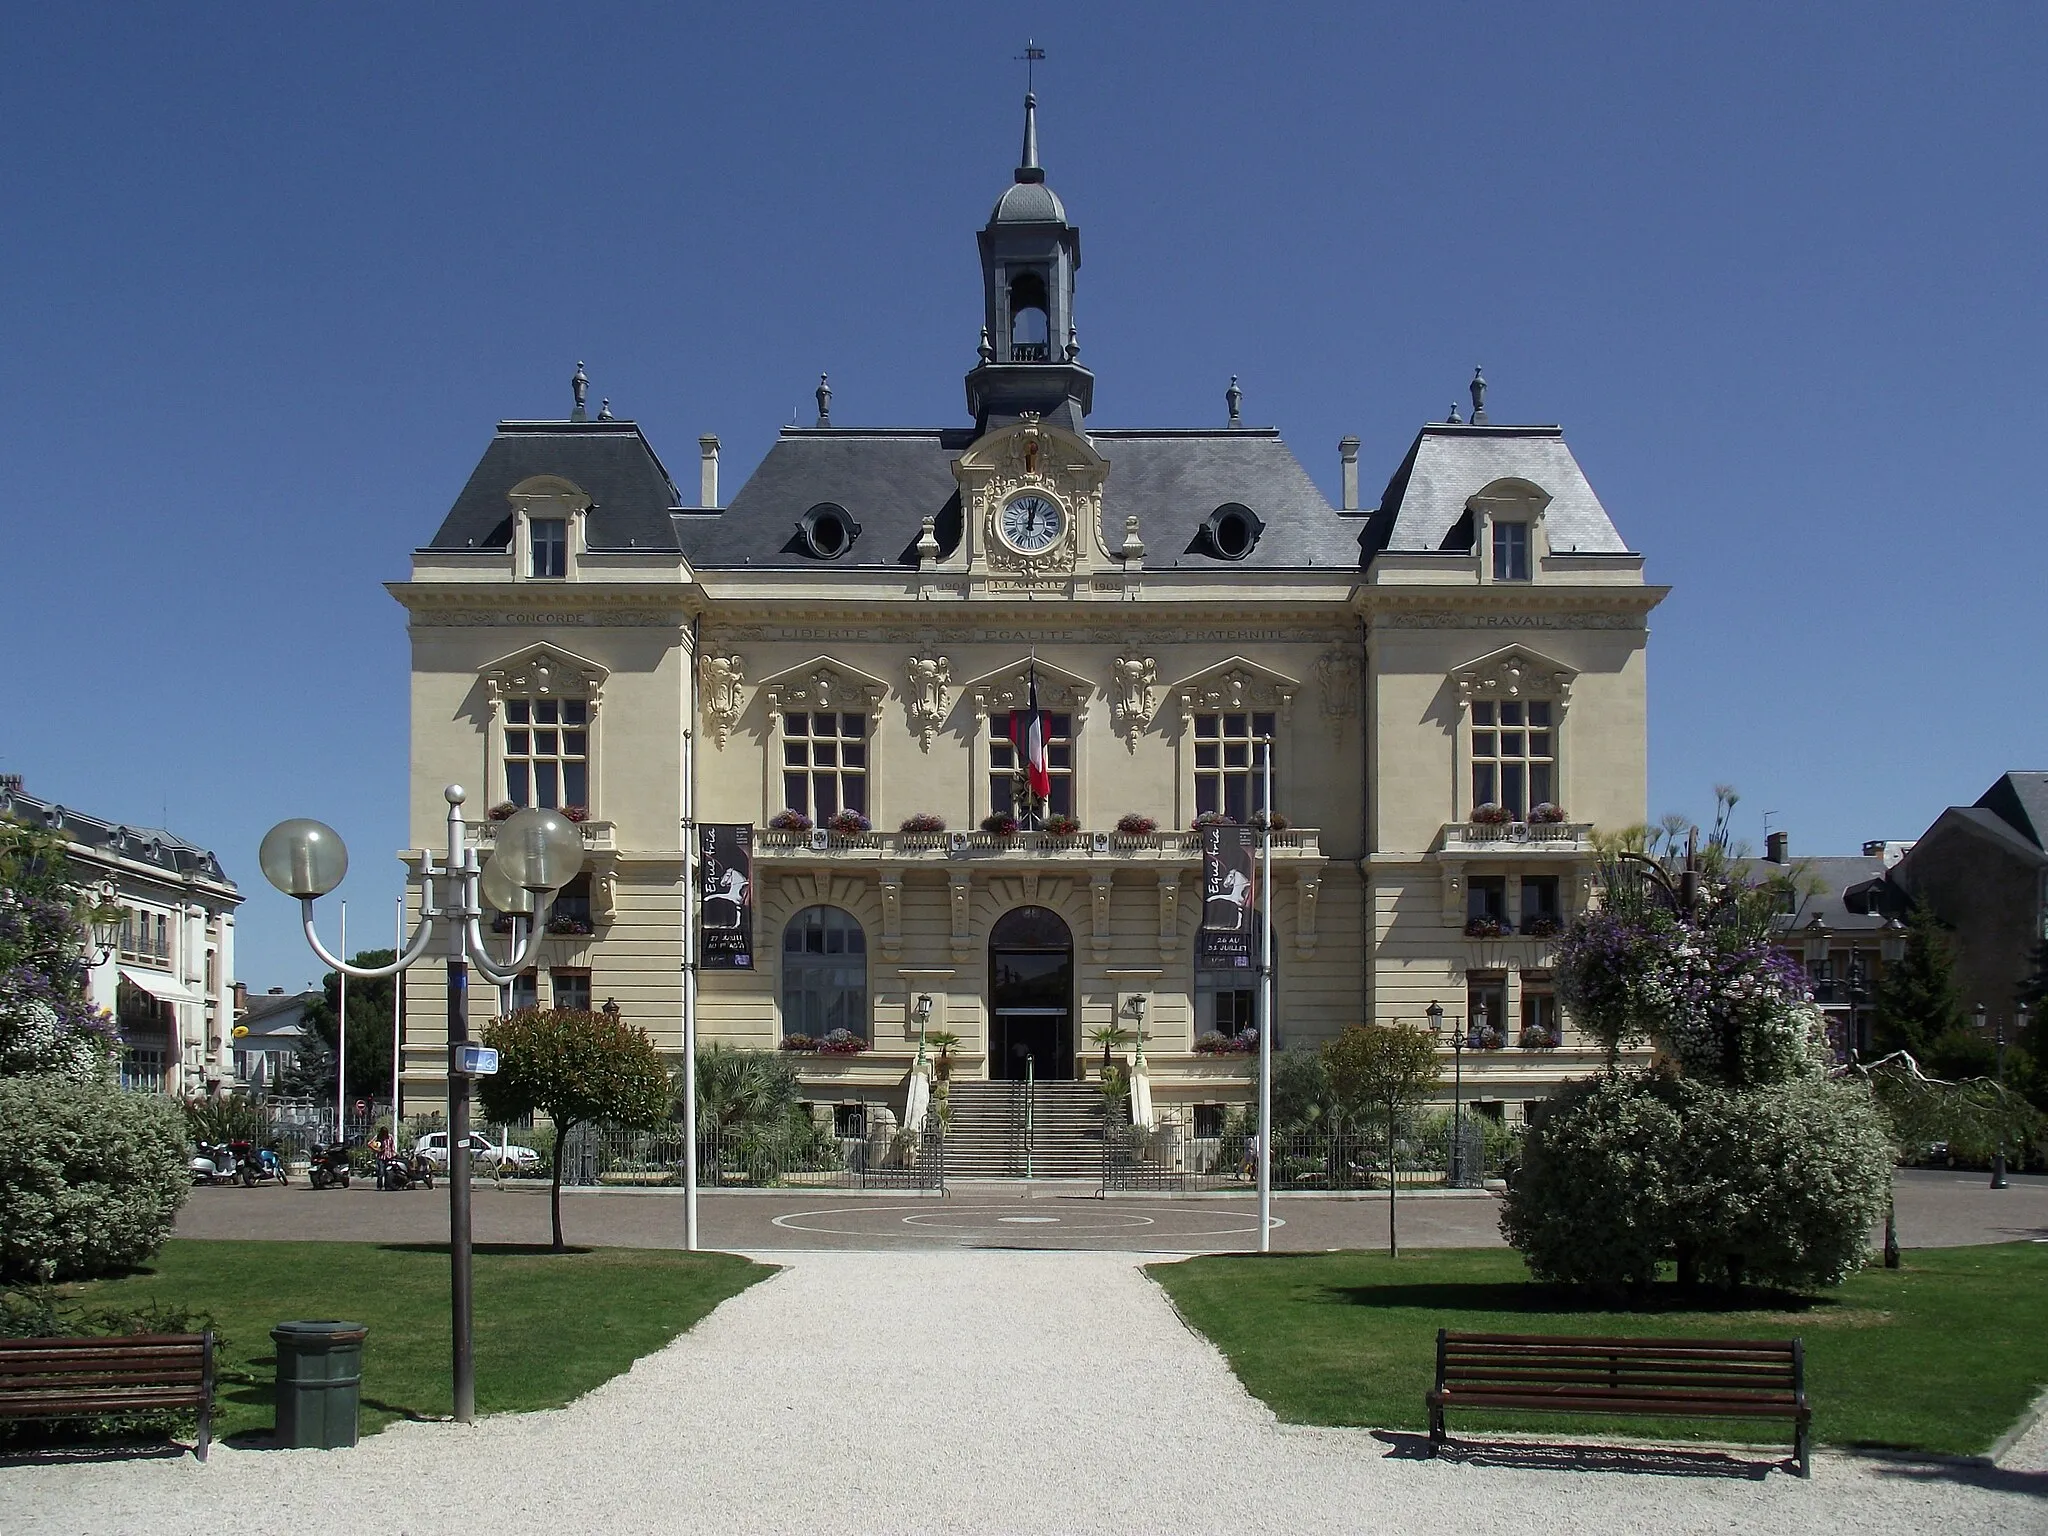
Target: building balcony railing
{"points": [[1509, 837], [914, 847], [1030, 352], [598, 836]]}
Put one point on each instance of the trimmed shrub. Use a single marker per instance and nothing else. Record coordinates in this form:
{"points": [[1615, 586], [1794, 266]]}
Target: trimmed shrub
{"points": [[91, 1177]]}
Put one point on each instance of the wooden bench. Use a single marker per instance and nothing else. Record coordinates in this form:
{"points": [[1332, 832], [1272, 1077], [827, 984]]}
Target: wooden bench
{"points": [[1676, 1378], [133, 1373]]}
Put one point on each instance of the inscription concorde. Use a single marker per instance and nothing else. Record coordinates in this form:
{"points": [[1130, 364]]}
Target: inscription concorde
{"points": [[1014, 636]]}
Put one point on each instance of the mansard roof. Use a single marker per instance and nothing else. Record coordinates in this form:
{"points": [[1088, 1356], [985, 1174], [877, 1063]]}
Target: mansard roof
{"points": [[890, 481], [1424, 508], [611, 462], [153, 846]]}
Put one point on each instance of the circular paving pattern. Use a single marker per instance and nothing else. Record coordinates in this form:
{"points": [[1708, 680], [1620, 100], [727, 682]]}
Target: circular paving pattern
{"points": [[1075, 1223]]}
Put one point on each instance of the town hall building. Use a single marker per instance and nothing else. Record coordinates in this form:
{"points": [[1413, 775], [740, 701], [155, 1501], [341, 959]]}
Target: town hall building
{"points": [[1448, 676]]}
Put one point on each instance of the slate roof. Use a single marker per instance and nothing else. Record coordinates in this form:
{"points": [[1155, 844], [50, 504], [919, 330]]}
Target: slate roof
{"points": [[889, 481], [1423, 508], [151, 846], [275, 1016], [2020, 800], [1029, 202], [630, 491], [1844, 895]]}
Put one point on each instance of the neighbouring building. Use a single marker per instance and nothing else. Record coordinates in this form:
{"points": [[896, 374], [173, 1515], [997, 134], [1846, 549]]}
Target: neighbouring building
{"points": [[1450, 676], [169, 980], [267, 1035], [1841, 928]]}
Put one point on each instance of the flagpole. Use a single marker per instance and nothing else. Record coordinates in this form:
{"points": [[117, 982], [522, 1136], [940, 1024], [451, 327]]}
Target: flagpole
{"points": [[1266, 1009], [397, 1023]]}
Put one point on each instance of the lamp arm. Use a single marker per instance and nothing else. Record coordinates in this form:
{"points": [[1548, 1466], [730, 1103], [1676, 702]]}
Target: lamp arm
{"points": [[480, 955], [413, 951]]}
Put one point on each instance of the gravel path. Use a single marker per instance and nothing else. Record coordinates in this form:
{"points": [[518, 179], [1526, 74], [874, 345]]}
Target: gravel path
{"points": [[975, 1392]]}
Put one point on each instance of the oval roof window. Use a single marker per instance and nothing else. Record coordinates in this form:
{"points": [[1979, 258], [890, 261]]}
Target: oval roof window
{"points": [[1233, 530], [828, 530]]}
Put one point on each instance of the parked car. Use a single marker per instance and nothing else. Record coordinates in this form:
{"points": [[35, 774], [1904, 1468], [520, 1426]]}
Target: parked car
{"points": [[484, 1153]]}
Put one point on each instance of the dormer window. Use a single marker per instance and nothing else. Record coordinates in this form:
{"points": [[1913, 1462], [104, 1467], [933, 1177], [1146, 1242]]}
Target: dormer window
{"points": [[1233, 530], [827, 531], [550, 537], [1510, 551]]}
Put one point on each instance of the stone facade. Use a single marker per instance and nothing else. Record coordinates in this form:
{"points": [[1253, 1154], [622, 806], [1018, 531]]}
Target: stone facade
{"points": [[856, 627]]}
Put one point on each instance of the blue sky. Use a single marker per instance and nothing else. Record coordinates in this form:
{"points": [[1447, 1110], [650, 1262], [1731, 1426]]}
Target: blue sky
{"points": [[272, 274]]}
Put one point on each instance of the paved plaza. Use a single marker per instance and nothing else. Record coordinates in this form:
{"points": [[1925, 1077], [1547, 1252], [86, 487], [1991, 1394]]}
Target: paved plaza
{"points": [[982, 1392], [1936, 1210]]}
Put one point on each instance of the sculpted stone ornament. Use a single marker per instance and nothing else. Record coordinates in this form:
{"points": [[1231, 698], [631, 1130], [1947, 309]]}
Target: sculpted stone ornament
{"points": [[721, 690], [1337, 669], [1514, 672], [928, 698], [1135, 679]]}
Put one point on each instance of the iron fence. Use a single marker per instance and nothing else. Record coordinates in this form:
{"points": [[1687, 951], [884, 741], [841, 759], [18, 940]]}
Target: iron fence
{"points": [[753, 1157], [1426, 1154]]}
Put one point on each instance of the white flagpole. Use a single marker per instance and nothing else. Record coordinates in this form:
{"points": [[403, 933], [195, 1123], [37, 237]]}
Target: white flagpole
{"points": [[341, 1044], [1266, 1011], [397, 1022]]}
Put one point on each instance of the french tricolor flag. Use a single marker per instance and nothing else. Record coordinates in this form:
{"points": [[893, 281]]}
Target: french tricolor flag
{"points": [[1028, 730]]}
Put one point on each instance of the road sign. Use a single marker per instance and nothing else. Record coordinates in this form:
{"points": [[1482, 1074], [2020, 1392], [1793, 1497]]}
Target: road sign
{"points": [[476, 1060]]}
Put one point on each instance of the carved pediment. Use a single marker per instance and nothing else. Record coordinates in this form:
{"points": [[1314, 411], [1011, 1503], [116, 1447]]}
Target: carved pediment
{"points": [[1236, 684], [543, 671], [1009, 687], [1514, 672], [822, 683]]}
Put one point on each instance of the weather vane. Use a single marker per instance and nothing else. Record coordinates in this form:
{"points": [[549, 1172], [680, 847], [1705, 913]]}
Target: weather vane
{"points": [[1033, 56]]}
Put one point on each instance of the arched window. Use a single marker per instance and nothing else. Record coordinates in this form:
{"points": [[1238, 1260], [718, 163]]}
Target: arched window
{"points": [[824, 974], [1030, 333]]}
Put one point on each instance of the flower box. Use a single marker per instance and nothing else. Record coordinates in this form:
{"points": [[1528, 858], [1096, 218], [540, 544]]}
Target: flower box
{"points": [[790, 821], [848, 823], [1489, 815], [1546, 815], [999, 825], [1215, 1043], [1485, 928], [1131, 824], [1062, 826], [923, 821]]}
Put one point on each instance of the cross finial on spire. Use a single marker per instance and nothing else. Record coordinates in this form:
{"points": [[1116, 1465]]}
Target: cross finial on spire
{"points": [[1234, 397], [1478, 397], [580, 387], [1032, 57], [824, 393]]}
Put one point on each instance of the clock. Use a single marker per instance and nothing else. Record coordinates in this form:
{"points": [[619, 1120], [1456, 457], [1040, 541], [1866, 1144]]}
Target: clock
{"points": [[1030, 524]]}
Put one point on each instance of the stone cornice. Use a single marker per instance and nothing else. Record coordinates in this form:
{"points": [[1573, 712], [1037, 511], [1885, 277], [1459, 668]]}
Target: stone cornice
{"points": [[1509, 607], [522, 603]]}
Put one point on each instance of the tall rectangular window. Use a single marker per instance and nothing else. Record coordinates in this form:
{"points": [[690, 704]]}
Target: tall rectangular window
{"points": [[550, 546], [1486, 901], [1514, 754], [572, 989], [824, 763], [525, 990], [1230, 764], [547, 752], [1540, 911], [142, 1069], [1510, 551], [1539, 1012], [1008, 794], [163, 937], [1486, 1006]]}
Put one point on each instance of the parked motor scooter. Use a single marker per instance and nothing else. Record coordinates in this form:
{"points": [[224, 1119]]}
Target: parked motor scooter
{"points": [[402, 1172], [258, 1165], [330, 1166], [213, 1164]]}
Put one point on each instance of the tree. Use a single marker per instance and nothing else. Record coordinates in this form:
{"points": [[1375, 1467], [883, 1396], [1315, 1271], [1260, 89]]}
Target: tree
{"points": [[369, 1027], [577, 1068], [1381, 1068], [1917, 1000], [47, 1025]]}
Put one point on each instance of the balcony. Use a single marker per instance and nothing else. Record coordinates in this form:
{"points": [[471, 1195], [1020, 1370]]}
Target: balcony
{"points": [[1511, 839], [598, 836], [1176, 848]]}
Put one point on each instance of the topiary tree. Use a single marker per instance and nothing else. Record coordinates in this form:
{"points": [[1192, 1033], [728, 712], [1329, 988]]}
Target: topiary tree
{"points": [[577, 1068], [1733, 1156], [91, 1177], [1377, 1069]]}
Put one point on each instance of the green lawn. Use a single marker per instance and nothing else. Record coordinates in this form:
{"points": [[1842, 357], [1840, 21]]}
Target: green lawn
{"points": [[1942, 1355], [548, 1327]]}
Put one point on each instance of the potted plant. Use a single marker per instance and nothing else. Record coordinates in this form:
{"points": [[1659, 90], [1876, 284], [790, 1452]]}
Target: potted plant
{"points": [[799, 1043], [1210, 819], [1215, 1043], [790, 821], [1063, 826], [1000, 824], [1491, 814], [576, 813], [1485, 928], [923, 821], [1546, 815], [945, 1040], [1132, 824], [1538, 1038], [564, 924], [848, 823], [1265, 823], [501, 810], [842, 1042], [1541, 926]]}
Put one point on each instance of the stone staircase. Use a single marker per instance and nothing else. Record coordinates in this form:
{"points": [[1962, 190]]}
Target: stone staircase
{"points": [[986, 1139]]}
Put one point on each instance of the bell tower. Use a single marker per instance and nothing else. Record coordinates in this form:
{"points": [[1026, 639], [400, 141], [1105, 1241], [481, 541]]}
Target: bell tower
{"points": [[1030, 349]]}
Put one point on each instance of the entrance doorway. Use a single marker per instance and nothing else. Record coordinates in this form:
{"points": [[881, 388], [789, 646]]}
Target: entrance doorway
{"points": [[1031, 996]]}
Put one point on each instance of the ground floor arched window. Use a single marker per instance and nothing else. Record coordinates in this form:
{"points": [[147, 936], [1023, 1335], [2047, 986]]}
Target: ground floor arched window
{"points": [[824, 974]]}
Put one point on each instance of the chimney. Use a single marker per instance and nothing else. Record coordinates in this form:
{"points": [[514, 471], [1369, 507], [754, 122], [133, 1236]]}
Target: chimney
{"points": [[1348, 452], [1777, 847], [707, 495], [241, 998]]}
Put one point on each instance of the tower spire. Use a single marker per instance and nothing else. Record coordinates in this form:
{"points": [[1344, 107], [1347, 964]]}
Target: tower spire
{"points": [[1028, 168]]}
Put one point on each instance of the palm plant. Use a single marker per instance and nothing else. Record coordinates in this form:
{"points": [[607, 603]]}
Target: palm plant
{"points": [[738, 1087], [1109, 1037]]}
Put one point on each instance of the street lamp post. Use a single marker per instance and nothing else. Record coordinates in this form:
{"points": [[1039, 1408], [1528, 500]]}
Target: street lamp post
{"points": [[1998, 1154], [1436, 1029], [539, 851]]}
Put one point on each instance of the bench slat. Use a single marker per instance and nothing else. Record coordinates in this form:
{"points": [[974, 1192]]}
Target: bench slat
{"points": [[1589, 1340], [139, 1373]]}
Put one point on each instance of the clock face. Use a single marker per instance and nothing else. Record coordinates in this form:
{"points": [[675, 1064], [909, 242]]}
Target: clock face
{"points": [[1031, 523]]}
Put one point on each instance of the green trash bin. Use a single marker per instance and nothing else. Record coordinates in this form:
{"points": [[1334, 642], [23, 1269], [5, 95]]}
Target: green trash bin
{"points": [[319, 1382]]}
